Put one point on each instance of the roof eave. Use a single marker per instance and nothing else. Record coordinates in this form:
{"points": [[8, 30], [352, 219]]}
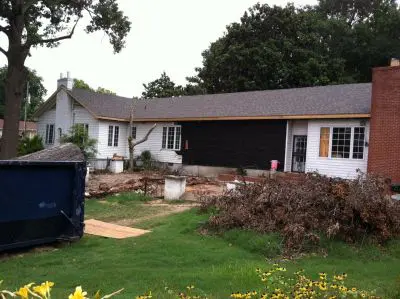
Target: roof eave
{"points": [[269, 117]]}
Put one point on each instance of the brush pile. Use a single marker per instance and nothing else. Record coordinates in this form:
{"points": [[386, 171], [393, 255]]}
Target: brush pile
{"points": [[302, 213]]}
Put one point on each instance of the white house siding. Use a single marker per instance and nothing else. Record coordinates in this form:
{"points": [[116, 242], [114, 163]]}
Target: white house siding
{"points": [[296, 127], [48, 117], [81, 116], [154, 143], [105, 151], [333, 167]]}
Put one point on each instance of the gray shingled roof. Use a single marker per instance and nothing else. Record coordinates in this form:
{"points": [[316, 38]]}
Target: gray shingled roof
{"points": [[324, 100]]}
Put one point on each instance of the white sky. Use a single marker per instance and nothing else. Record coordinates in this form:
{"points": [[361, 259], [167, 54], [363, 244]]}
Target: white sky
{"points": [[166, 35]]}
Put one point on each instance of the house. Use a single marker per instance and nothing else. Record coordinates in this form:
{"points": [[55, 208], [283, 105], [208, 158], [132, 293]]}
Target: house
{"points": [[335, 130], [29, 128]]}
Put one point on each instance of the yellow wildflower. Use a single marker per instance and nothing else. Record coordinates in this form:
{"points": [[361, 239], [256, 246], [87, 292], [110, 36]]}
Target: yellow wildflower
{"points": [[78, 294], [23, 292]]}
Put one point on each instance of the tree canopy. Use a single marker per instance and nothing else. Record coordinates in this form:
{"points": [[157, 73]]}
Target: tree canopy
{"points": [[37, 93], [164, 87], [78, 83], [336, 41], [34, 23]]}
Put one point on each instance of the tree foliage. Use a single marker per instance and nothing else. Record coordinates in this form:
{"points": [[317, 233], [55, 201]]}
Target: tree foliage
{"points": [[36, 91], [79, 136], [162, 87], [28, 145], [34, 23], [337, 41], [83, 85]]}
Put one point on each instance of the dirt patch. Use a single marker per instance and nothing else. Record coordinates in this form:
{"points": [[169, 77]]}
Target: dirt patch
{"points": [[150, 183]]}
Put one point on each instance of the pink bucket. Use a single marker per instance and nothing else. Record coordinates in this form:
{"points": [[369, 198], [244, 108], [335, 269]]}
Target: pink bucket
{"points": [[274, 164]]}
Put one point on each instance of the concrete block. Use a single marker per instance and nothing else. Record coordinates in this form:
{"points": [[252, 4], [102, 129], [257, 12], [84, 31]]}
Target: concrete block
{"points": [[117, 166], [174, 187]]}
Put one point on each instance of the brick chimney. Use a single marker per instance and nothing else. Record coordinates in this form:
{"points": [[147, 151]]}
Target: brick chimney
{"points": [[384, 145]]}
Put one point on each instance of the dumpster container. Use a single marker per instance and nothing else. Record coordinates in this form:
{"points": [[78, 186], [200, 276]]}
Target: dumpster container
{"points": [[40, 202]]}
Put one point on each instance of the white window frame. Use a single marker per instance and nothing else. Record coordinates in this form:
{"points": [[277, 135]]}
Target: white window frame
{"points": [[111, 137], [49, 140], [351, 142], [177, 143]]}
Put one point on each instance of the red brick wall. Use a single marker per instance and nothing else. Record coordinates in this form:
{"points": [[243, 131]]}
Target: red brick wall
{"points": [[384, 141]]}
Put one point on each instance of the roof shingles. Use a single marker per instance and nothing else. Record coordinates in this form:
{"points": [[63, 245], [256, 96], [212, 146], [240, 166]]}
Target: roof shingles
{"points": [[324, 100]]}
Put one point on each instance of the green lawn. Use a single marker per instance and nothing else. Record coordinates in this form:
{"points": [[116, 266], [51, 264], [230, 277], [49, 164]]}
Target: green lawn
{"points": [[176, 255]]}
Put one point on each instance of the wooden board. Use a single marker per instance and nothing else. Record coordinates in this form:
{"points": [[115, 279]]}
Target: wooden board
{"points": [[109, 230]]}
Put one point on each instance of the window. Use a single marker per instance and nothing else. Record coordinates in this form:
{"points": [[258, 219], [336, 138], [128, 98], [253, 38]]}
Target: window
{"points": [[83, 128], [116, 135], [171, 138], [110, 135], [113, 135], [49, 134], [358, 143], [134, 130], [324, 142], [343, 142]]}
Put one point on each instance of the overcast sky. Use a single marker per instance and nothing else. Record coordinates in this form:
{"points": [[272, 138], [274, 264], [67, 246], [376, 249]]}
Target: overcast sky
{"points": [[166, 35]]}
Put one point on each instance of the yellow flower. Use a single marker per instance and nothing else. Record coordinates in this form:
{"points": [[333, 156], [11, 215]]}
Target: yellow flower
{"points": [[78, 294], [44, 289], [23, 292], [353, 289]]}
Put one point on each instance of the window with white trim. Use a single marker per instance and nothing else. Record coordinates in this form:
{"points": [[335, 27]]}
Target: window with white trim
{"points": [[171, 138], [49, 134], [134, 131], [345, 142], [113, 135]]}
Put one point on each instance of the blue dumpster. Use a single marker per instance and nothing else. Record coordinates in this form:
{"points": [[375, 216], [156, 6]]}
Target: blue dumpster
{"points": [[41, 202]]}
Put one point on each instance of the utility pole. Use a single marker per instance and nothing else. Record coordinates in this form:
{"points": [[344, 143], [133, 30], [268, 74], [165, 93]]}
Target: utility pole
{"points": [[27, 102]]}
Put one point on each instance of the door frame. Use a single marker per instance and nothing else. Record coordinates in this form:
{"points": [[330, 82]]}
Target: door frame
{"points": [[293, 152]]}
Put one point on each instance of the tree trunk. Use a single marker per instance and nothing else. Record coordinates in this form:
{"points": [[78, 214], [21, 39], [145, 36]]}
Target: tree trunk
{"points": [[14, 87], [15, 81]]}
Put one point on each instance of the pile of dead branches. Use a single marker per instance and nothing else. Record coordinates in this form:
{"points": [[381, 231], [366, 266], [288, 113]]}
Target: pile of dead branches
{"points": [[302, 213]]}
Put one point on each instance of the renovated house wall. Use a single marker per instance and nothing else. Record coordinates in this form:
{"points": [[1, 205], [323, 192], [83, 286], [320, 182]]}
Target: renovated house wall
{"points": [[48, 117], [294, 127], [331, 166], [154, 143]]}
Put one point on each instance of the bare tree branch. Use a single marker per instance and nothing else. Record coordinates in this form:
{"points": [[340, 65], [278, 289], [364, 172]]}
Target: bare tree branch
{"points": [[56, 39], [144, 139], [3, 51]]}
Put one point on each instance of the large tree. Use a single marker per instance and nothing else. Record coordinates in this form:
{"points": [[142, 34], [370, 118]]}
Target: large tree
{"points": [[36, 93], [34, 23], [337, 41]]}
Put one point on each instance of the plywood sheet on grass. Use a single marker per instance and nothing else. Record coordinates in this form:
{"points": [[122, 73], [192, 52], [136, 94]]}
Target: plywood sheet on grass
{"points": [[109, 230]]}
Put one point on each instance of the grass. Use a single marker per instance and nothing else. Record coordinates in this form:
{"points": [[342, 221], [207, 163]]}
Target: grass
{"points": [[123, 206], [175, 254]]}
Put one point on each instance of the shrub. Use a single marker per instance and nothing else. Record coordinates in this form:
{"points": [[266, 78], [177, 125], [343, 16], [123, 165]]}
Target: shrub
{"points": [[28, 145], [79, 136], [349, 210]]}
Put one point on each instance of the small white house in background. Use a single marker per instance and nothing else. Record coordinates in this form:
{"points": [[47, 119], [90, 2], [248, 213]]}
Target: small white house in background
{"points": [[324, 129]]}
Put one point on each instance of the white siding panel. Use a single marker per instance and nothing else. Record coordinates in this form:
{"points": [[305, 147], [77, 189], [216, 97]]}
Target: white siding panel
{"points": [[81, 116], [333, 167], [105, 151], [154, 143], [48, 117], [297, 127]]}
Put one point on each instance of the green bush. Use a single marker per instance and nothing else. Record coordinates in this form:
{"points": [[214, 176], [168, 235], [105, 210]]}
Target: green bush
{"points": [[79, 136], [30, 145]]}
